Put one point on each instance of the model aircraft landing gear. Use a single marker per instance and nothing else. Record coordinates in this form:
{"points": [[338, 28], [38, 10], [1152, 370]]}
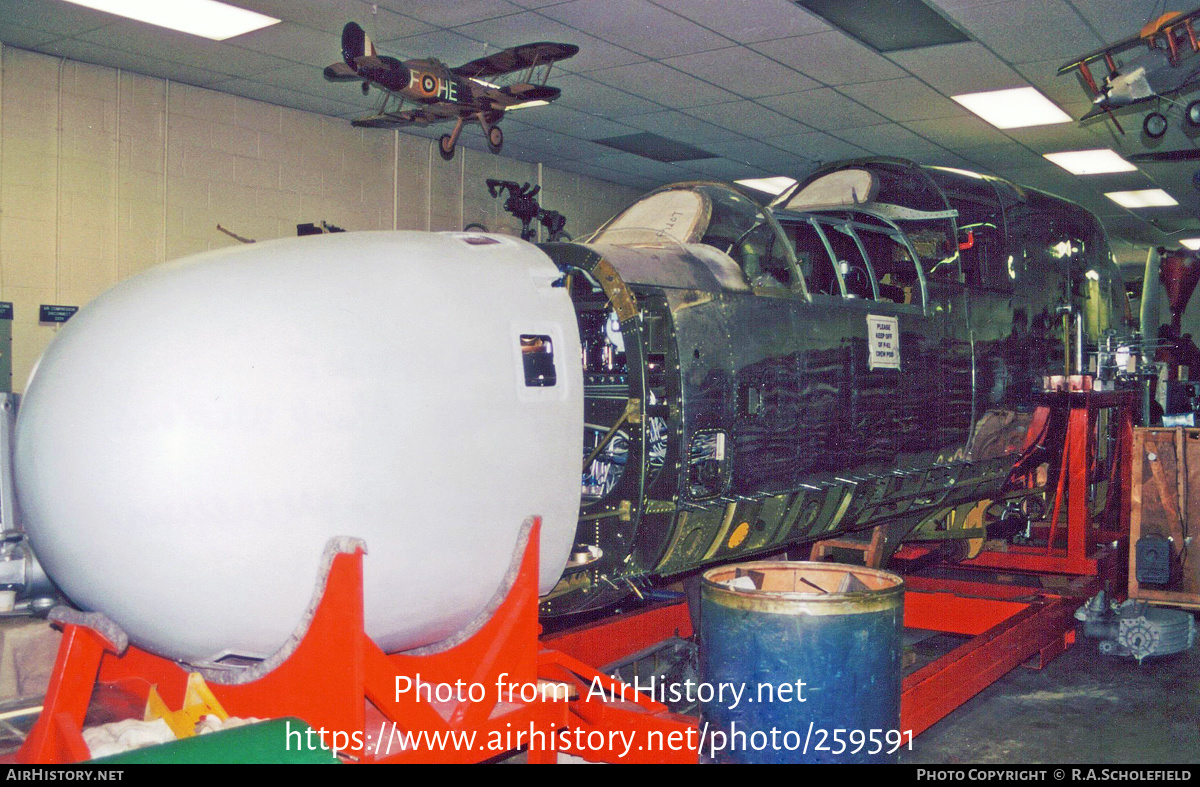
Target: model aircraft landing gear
{"points": [[446, 147], [495, 139], [1192, 114], [1155, 124]]}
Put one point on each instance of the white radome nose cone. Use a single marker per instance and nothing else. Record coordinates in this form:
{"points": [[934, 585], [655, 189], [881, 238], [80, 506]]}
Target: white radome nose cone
{"points": [[192, 439]]}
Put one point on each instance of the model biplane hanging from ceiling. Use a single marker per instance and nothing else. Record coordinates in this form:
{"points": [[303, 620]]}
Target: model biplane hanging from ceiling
{"points": [[440, 93], [1168, 66]]}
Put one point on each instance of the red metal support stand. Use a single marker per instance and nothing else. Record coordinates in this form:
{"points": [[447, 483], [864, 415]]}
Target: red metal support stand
{"points": [[513, 694], [1074, 416]]}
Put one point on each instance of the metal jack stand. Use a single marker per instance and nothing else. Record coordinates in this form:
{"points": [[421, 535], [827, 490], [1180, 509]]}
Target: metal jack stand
{"points": [[337, 678]]}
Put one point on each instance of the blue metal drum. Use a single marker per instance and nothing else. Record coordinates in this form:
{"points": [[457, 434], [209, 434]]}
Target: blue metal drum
{"points": [[800, 662]]}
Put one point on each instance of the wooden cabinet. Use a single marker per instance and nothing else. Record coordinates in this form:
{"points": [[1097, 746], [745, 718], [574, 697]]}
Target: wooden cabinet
{"points": [[1165, 502]]}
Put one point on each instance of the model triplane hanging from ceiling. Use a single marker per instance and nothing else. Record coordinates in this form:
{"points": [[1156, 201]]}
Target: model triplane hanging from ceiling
{"points": [[443, 93], [1166, 68]]}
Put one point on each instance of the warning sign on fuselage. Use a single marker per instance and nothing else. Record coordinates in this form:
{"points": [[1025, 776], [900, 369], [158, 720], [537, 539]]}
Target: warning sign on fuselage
{"points": [[883, 342]]}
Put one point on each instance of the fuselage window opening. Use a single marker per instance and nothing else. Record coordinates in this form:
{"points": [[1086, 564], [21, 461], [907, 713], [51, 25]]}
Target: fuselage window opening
{"points": [[731, 218], [981, 237], [763, 258], [813, 258], [895, 268], [936, 246], [856, 272]]}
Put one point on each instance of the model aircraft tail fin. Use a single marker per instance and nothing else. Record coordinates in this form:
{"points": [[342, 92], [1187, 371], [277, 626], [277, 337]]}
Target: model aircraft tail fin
{"points": [[355, 43], [359, 54]]}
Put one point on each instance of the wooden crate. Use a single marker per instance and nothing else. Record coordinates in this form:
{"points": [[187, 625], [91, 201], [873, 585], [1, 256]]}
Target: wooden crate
{"points": [[1165, 499]]}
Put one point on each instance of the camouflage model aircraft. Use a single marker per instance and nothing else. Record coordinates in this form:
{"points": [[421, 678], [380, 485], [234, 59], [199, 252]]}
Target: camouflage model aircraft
{"points": [[442, 93]]}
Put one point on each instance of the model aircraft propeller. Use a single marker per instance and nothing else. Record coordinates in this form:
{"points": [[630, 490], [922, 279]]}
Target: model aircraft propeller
{"points": [[442, 93]]}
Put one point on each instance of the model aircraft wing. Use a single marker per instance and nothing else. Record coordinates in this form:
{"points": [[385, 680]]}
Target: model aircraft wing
{"points": [[1111, 49], [515, 58], [408, 117], [523, 91]]}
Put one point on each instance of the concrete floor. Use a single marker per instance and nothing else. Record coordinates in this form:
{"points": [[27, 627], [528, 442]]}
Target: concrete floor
{"points": [[1082, 708]]}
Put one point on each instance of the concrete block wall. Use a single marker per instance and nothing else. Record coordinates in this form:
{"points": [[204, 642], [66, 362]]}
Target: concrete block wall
{"points": [[104, 173]]}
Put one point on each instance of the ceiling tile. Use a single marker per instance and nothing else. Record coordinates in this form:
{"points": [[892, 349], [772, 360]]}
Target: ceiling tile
{"points": [[676, 125], [749, 119], [1002, 157], [330, 16], [958, 132], [638, 25], [890, 139], [725, 169], [823, 109], [591, 96], [1050, 139], [903, 99], [643, 167], [951, 159], [573, 122], [557, 144], [62, 19], [293, 42], [155, 42], [24, 37], [1023, 30], [662, 84], [747, 21], [1114, 20], [444, 14], [1043, 74], [88, 52], [536, 3], [817, 146], [954, 69], [831, 58], [769, 157], [449, 47], [743, 72], [517, 29]]}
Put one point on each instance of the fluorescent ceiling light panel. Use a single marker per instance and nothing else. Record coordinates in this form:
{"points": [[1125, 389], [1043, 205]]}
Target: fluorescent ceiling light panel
{"points": [[206, 18], [1146, 198], [776, 185], [1190, 243], [1017, 107], [1091, 162]]}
